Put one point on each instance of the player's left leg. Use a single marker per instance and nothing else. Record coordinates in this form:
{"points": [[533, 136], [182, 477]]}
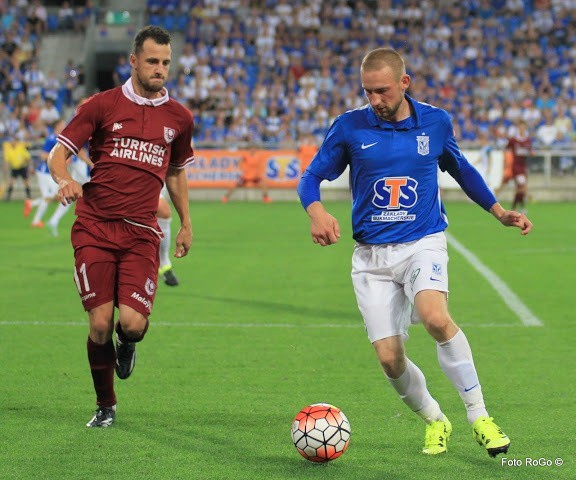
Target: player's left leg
{"points": [[136, 289], [130, 329], [264, 189], [457, 363], [385, 309], [520, 195]]}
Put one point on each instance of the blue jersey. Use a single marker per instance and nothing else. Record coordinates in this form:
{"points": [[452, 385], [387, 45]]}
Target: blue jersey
{"points": [[394, 171]]}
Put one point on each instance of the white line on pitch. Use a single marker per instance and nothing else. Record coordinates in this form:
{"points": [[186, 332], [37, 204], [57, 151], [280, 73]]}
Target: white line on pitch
{"points": [[240, 325], [510, 298]]}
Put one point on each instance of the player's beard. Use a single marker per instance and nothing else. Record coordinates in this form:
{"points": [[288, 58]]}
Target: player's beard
{"points": [[389, 113], [149, 86]]}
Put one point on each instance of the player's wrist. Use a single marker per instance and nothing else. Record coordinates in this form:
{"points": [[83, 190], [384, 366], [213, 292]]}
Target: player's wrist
{"points": [[497, 210]]}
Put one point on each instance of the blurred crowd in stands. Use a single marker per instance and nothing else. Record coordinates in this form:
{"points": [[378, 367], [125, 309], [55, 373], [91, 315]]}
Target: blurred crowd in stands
{"points": [[278, 72]]}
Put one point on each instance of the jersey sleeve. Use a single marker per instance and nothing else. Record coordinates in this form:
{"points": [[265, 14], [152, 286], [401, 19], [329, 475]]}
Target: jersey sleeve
{"points": [[332, 158], [455, 163], [84, 123], [182, 153]]}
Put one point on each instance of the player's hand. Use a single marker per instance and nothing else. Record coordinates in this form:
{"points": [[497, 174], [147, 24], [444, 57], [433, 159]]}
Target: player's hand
{"points": [[69, 191], [510, 218], [324, 229], [183, 241]]}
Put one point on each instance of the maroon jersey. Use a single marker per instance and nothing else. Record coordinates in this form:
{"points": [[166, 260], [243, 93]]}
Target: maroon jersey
{"points": [[520, 148], [132, 140]]}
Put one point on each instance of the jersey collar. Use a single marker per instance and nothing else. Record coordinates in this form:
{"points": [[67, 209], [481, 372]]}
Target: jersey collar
{"points": [[412, 122], [130, 94]]}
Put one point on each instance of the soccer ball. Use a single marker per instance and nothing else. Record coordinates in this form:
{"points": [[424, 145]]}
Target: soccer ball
{"points": [[321, 432]]}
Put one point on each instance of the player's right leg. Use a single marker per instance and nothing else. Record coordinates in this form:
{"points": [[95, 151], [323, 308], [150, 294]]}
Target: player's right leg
{"points": [[408, 380], [94, 275]]}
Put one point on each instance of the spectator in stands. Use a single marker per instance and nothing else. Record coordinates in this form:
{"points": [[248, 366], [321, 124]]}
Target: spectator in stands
{"points": [[52, 86], [49, 114], [187, 61], [34, 80], [547, 133], [65, 16], [564, 123], [37, 17], [122, 71]]}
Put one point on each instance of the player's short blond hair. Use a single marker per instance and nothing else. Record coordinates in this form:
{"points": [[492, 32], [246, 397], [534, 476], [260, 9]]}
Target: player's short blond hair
{"points": [[384, 57]]}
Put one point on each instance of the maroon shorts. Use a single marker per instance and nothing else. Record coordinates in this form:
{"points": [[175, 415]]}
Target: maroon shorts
{"points": [[115, 261]]}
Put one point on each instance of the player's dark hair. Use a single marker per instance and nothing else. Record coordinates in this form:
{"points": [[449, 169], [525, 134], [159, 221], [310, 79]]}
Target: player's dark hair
{"points": [[158, 34]]}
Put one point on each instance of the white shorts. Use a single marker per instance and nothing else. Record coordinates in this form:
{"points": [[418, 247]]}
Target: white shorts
{"points": [[48, 187], [387, 277]]}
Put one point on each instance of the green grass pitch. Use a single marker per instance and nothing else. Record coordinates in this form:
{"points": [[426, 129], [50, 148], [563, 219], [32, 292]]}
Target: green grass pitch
{"points": [[265, 322]]}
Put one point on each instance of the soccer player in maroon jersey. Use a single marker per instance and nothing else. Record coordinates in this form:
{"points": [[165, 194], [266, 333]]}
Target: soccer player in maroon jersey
{"points": [[520, 146], [139, 138]]}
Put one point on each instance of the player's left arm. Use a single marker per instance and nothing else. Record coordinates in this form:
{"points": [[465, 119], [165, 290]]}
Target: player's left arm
{"points": [[177, 185], [453, 161]]}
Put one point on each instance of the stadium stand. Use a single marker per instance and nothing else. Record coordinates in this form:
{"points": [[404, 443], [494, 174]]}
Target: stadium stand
{"points": [[268, 71]]}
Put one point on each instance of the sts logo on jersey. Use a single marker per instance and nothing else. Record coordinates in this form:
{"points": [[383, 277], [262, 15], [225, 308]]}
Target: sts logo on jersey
{"points": [[282, 167], [394, 194]]}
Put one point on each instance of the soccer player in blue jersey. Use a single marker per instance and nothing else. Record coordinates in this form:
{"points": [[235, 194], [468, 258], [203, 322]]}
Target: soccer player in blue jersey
{"points": [[394, 146], [48, 187]]}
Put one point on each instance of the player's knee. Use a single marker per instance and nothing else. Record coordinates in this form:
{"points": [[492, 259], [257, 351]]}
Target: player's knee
{"points": [[440, 326], [135, 327], [393, 363]]}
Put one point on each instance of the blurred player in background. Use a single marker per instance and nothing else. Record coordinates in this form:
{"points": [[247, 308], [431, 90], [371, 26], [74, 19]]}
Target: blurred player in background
{"points": [[519, 148], [17, 164], [394, 146], [78, 166], [48, 188], [139, 139], [164, 218], [251, 176]]}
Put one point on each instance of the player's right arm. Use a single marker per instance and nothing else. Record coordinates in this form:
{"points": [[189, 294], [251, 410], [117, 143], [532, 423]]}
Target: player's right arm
{"points": [[324, 227], [328, 164], [68, 189]]}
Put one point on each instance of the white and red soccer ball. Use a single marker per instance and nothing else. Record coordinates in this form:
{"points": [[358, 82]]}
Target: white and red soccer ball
{"points": [[321, 432]]}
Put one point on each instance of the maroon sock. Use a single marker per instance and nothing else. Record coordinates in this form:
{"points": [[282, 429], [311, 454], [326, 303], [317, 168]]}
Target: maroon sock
{"points": [[102, 359], [518, 200]]}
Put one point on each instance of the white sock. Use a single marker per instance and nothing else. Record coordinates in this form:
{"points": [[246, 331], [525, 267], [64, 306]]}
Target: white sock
{"points": [[58, 214], [455, 357], [164, 224], [411, 386], [40, 211], [36, 202]]}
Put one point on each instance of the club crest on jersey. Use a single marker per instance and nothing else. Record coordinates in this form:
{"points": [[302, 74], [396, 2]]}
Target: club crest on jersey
{"points": [[150, 286], [423, 144], [169, 134]]}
